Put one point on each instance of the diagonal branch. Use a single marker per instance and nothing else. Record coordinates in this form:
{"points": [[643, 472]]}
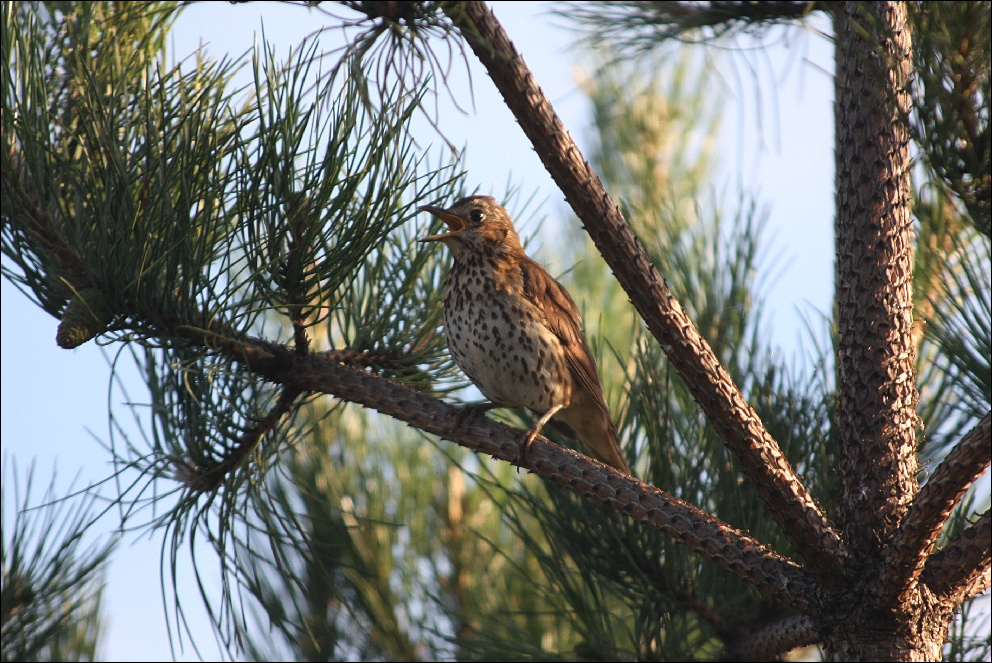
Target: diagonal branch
{"points": [[724, 629], [961, 569], [767, 571], [208, 477], [917, 536], [795, 510], [772, 642]]}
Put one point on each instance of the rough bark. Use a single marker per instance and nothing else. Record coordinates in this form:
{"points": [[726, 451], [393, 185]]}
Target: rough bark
{"points": [[875, 359], [917, 536], [961, 569], [876, 382], [771, 642]]}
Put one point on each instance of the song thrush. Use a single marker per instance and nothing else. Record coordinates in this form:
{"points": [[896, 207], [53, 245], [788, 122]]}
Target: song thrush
{"points": [[516, 332]]}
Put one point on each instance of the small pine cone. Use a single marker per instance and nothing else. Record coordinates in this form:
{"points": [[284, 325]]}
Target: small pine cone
{"points": [[87, 315]]}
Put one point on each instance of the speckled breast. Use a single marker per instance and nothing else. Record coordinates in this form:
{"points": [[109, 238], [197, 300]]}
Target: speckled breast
{"points": [[497, 338]]}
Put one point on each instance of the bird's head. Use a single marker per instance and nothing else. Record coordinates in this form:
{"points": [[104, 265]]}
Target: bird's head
{"points": [[474, 224]]}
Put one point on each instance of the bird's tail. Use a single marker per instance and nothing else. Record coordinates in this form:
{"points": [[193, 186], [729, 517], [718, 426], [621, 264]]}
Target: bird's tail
{"points": [[596, 433]]}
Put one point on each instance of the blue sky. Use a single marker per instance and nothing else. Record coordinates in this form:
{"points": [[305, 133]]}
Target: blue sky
{"points": [[777, 140]]}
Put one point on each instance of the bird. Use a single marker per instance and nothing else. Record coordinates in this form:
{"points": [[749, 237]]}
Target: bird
{"points": [[517, 333]]}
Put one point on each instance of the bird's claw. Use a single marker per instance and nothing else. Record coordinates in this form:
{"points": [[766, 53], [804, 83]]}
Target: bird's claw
{"points": [[525, 441]]}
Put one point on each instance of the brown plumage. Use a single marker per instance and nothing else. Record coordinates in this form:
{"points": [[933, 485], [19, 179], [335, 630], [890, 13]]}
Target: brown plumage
{"points": [[516, 332]]}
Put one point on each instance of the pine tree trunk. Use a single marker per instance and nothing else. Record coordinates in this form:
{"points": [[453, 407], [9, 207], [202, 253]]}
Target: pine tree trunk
{"points": [[876, 382]]}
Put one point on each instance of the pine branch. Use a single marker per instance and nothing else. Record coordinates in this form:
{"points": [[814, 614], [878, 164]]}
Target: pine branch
{"points": [[42, 229], [774, 641], [919, 531], [950, 92], [876, 386], [320, 373], [638, 25], [325, 373], [203, 330], [53, 572], [209, 478], [802, 520], [962, 568], [721, 626], [300, 225]]}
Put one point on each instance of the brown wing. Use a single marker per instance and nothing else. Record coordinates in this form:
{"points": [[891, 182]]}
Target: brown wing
{"points": [[562, 318], [596, 431]]}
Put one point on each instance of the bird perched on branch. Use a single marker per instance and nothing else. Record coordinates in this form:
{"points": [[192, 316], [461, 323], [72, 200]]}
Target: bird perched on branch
{"points": [[516, 332]]}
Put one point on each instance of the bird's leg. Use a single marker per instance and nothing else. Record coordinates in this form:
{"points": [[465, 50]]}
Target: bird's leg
{"points": [[535, 429]]}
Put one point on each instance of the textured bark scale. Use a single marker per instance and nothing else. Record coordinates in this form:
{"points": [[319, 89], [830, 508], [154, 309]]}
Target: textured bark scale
{"points": [[876, 381]]}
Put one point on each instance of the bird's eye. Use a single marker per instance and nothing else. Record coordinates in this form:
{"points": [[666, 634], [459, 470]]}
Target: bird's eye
{"points": [[477, 215]]}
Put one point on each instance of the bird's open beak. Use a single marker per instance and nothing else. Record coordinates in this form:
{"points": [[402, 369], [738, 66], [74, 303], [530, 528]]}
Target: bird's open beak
{"points": [[455, 224]]}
